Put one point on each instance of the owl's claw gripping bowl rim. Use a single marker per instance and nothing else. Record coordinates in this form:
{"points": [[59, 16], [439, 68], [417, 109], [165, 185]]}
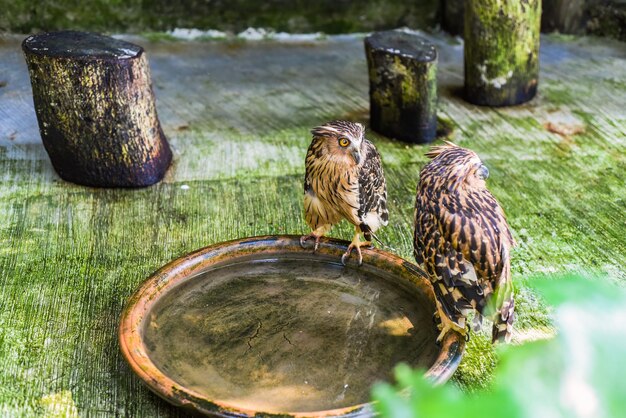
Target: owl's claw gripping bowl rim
{"points": [[174, 273], [305, 238], [348, 253]]}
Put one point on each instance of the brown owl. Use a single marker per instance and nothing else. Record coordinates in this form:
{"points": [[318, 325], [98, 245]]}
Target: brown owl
{"points": [[463, 241], [344, 180]]}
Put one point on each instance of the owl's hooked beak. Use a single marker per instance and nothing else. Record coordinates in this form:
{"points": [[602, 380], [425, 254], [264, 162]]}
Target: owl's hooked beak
{"points": [[483, 172], [356, 154]]}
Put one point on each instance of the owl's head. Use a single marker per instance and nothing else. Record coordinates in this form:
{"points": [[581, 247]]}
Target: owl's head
{"points": [[456, 166], [341, 141]]}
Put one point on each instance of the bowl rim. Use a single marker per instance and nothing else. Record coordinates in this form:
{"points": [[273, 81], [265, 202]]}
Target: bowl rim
{"points": [[179, 270]]}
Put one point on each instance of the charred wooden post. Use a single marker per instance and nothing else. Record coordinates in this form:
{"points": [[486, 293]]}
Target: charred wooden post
{"points": [[403, 86], [96, 111], [501, 51]]}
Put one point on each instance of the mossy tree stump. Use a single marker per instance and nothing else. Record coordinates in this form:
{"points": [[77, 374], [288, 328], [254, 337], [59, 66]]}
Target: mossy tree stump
{"points": [[96, 111], [403, 86], [501, 51]]}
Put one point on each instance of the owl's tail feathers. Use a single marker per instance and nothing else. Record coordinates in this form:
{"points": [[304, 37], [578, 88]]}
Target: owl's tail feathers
{"points": [[503, 323], [504, 314], [369, 235]]}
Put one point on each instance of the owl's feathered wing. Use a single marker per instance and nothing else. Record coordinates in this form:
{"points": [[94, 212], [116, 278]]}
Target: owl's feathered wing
{"points": [[372, 212], [463, 240]]}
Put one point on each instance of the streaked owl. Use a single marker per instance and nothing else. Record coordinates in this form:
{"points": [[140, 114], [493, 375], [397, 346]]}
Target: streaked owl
{"points": [[462, 239], [344, 180]]}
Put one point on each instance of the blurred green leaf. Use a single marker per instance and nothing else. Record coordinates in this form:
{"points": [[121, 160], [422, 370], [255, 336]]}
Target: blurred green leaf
{"points": [[580, 373], [558, 290]]}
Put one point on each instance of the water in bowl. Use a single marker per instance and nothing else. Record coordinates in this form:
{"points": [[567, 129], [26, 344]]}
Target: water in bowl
{"points": [[289, 335]]}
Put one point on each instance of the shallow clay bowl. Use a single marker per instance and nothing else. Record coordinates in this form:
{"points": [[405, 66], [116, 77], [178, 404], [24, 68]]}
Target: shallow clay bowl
{"points": [[262, 326]]}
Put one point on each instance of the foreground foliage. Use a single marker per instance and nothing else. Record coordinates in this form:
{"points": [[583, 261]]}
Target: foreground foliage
{"points": [[580, 373]]}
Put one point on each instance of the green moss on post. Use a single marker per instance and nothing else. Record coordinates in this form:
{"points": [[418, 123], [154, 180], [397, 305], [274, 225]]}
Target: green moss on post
{"points": [[96, 110], [403, 86], [501, 51]]}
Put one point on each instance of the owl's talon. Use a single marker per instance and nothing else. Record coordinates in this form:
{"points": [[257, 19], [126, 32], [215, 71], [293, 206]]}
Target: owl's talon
{"points": [[358, 251], [446, 325], [305, 238], [346, 255]]}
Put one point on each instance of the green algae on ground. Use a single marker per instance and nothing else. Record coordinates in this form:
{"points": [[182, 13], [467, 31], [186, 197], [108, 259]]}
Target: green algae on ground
{"points": [[473, 369], [70, 256], [59, 405]]}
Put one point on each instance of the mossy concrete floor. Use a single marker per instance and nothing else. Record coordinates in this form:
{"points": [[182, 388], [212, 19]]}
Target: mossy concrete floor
{"points": [[238, 116]]}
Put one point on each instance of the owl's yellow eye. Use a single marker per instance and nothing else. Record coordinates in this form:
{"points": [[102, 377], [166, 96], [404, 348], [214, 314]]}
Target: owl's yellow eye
{"points": [[344, 142]]}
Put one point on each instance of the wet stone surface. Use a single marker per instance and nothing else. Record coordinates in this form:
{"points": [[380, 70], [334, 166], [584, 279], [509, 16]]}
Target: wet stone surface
{"points": [[292, 335]]}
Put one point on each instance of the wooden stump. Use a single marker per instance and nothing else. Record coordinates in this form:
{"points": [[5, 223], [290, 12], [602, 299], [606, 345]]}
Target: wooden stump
{"points": [[452, 16], [501, 51], [565, 16], [403, 86], [95, 107]]}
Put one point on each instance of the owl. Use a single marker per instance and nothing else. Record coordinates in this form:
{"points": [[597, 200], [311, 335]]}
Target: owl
{"points": [[344, 180], [462, 240]]}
